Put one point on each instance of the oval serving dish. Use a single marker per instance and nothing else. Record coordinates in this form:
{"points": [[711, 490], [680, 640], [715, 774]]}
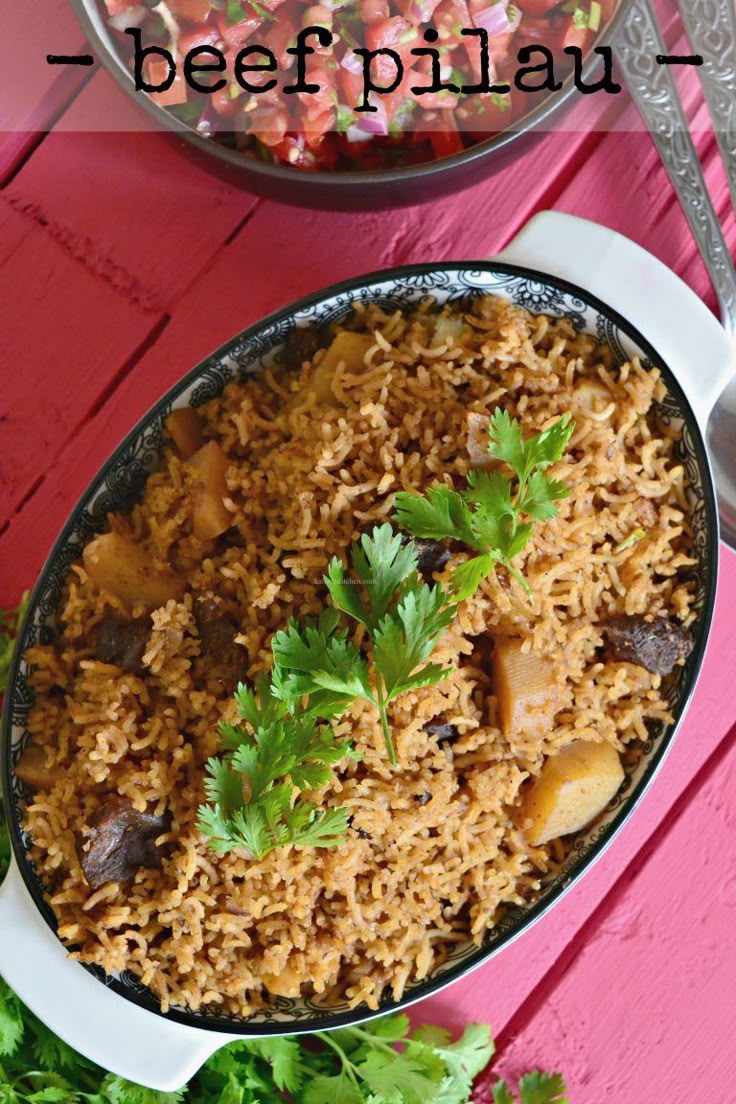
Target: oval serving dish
{"points": [[91, 1010]]}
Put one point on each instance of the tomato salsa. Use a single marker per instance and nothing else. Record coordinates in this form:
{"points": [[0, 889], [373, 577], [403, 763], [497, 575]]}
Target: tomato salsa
{"points": [[415, 44]]}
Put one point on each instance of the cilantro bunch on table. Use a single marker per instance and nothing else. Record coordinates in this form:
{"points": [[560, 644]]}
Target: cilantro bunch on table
{"points": [[494, 515], [381, 1062]]}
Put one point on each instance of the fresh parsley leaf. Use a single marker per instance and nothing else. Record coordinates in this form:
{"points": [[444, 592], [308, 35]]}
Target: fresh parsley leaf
{"points": [[318, 662], [489, 515]]}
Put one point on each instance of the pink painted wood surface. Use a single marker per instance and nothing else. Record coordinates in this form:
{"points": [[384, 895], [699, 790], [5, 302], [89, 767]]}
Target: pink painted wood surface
{"points": [[642, 1007], [35, 94], [140, 264]]}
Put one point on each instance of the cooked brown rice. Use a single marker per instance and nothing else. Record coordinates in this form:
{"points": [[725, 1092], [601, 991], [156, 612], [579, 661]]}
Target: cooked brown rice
{"points": [[305, 479]]}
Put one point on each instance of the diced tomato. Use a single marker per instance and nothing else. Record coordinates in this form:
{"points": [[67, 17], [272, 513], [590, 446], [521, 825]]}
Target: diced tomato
{"points": [[203, 36], [268, 125], [196, 11], [239, 33], [156, 72], [537, 7], [447, 141], [352, 87], [278, 36], [225, 105], [116, 7], [315, 104], [314, 127], [392, 34], [576, 36], [373, 11], [450, 17]]}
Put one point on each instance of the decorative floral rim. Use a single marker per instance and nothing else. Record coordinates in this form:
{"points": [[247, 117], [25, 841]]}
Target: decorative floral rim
{"points": [[122, 476]]}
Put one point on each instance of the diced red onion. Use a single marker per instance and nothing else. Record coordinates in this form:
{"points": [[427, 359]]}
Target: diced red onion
{"points": [[355, 134], [374, 122], [131, 17], [352, 62], [493, 18], [419, 11]]}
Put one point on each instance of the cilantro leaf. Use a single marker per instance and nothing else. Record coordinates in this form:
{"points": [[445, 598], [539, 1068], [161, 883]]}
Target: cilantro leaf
{"points": [[11, 1021], [403, 616], [439, 514], [319, 662], [542, 1088], [489, 515], [501, 1094], [283, 1054], [251, 790]]}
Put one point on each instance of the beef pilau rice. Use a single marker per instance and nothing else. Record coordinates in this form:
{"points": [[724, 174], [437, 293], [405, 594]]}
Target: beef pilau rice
{"points": [[433, 853]]}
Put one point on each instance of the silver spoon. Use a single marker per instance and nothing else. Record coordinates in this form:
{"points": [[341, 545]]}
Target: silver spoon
{"points": [[655, 94]]}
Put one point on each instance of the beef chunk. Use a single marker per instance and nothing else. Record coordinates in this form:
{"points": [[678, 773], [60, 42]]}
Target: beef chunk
{"points": [[123, 642], [217, 631], [657, 645], [120, 841], [432, 555], [440, 727], [301, 343]]}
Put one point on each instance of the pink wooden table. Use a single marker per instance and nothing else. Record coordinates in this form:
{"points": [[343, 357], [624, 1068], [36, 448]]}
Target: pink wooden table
{"points": [[121, 265]]}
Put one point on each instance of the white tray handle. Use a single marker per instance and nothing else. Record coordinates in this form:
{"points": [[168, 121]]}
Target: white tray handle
{"points": [[658, 303], [101, 1025]]}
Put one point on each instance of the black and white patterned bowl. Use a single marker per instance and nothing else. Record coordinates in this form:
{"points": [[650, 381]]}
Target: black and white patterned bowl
{"points": [[122, 477]]}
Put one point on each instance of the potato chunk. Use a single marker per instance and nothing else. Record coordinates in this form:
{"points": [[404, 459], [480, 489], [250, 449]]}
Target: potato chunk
{"points": [[32, 769], [124, 568], [573, 788], [184, 427], [525, 685], [348, 348], [211, 516], [477, 446]]}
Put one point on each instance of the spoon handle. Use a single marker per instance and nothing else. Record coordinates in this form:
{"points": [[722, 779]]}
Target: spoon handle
{"points": [[655, 94], [711, 29]]}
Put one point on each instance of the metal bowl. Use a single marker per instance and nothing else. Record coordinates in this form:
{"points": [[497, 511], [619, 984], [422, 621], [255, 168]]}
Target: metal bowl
{"points": [[339, 190]]}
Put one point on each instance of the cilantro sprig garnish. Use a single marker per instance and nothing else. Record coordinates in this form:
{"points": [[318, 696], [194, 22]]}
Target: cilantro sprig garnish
{"points": [[494, 515], [252, 789], [286, 745], [403, 618]]}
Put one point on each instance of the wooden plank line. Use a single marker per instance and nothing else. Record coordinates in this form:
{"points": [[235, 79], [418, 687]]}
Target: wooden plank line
{"points": [[540, 994], [82, 249], [243, 222], [125, 369], [18, 147]]}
